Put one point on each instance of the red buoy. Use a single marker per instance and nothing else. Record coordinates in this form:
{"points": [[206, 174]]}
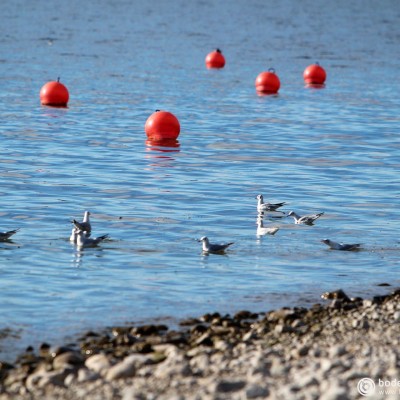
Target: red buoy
{"points": [[314, 74], [215, 59], [54, 94], [268, 82], [162, 125]]}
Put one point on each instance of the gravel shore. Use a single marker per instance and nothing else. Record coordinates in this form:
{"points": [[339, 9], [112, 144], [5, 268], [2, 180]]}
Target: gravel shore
{"points": [[322, 352]]}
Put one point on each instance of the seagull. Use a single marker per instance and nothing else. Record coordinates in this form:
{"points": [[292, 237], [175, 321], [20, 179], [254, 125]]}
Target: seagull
{"points": [[306, 219], [83, 241], [85, 224], [341, 246], [6, 235], [213, 248], [261, 206], [74, 235], [261, 230]]}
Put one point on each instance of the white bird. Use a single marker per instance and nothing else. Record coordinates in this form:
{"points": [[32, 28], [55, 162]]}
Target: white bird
{"points": [[305, 219], [262, 207], [74, 235], [85, 224], [83, 241], [261, 230], [6, 235], [341, 246], [213, 248]]}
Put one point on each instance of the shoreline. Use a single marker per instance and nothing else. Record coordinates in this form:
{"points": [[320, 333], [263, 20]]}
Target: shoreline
{"points": [[319, 352], [14, 340]]}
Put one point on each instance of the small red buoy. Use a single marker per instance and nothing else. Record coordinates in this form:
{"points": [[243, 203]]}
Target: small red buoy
{"points": [[268, 82], [215, 59], [314, 74], [162, 125], [54, 94]]}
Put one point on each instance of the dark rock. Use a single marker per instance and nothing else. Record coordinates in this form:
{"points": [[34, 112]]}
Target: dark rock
{"points": [[90, 334], [189, 322], [225, 386], [102, 340], [147, 330], [357, 301], [198, 329], [142, 347], [210, 317], [244, 314], [69, 358], [59, 350], [255, 391], [379, 299], [4, 368], [44, 347]]}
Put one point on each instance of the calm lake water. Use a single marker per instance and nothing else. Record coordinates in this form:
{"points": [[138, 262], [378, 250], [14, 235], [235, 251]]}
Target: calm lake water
{"points": [[335, 149]]}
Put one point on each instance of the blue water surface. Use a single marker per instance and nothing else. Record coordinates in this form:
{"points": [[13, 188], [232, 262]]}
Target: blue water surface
{"points": [[334, 149]]}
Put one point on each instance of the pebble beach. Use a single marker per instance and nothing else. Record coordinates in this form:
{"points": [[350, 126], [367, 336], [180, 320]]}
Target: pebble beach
{"points": [[141, 310], [336, 349]]}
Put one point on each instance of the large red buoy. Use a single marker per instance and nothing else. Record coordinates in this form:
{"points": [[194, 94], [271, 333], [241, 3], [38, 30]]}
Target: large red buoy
{"points": [[162, 125], [215, 59], [314, 74], [267, 82], [54, 94]]}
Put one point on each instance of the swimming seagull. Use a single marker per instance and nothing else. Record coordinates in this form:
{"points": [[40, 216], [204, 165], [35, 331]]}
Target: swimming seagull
{"points": [[261, 206], [341, 246], [305, 219], [261, 230], [74, 235], [83, 241], [213, 248], [85, 224], [6, 235]]}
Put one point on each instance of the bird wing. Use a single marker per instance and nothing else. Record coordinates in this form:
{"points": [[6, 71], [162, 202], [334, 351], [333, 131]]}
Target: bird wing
{"points": [[216, 248], [348, 247], [83, 226], [8, 234]]}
